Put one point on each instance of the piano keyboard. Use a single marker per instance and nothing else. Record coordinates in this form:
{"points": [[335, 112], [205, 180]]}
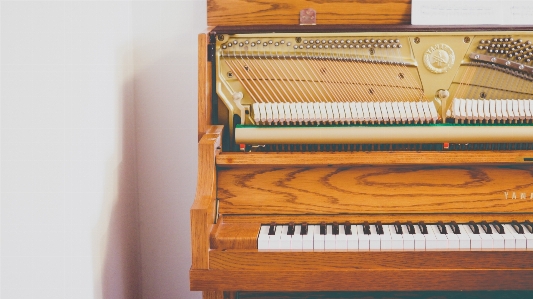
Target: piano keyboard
{"points": [[397, 236]]}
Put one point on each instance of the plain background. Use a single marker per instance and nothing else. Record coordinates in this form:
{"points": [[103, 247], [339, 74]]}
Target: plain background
{"points": [[98, 147]]}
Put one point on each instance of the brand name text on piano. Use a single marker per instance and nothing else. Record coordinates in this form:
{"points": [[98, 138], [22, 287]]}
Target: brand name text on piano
{"points": [[518, 195]]}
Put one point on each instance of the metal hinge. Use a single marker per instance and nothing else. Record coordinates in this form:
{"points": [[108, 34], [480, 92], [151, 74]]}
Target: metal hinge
{"points": [[210, 52]]}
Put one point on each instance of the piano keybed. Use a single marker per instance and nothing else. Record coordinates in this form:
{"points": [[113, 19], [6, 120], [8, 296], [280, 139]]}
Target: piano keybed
{"points": [[397, 236]]}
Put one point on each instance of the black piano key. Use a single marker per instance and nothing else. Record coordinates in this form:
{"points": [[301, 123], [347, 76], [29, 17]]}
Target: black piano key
{"points": [[442, 228], [335, 228], [455, 228], [528, 225], [272, 229], [410, 228], [323, 228], [304, 229], [486, 227], [366, 228], [517, 227], [398, 228], [379, 228], [498, 227], [423, 227], [473, 226], [347, 228], [290, 230]]}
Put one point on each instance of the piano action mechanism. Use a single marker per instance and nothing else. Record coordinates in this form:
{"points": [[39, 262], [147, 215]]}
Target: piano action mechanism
{"points": [[365, 159]]}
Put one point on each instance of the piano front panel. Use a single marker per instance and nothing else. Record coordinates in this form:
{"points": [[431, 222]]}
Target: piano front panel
{"points": [[382, 189]]}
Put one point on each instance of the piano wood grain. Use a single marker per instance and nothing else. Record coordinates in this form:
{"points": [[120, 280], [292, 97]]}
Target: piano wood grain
{"points": [[380, 189], [248, 12], [362, 280], [254, 260]]}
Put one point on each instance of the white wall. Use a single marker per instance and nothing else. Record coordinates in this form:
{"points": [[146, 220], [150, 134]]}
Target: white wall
{"points": [[98, 148]]}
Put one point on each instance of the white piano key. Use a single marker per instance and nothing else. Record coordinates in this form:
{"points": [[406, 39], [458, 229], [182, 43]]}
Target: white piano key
{"points": [[442, 240], [529, 239], [508, 239], [262, 238], [363, 239], [420, 239], [464, 238], [274, 241], [318, 239], [386, 240], [285, 239], [498, 241], [431, 239], [396, 239], [307, 240], [296, 239], [352, 240], [375, 239], [462, 109], [520, 239], [475, 239], [486, 239], [505, 113], [408, 239], [453, 240], [341, 240], [329, 238]]}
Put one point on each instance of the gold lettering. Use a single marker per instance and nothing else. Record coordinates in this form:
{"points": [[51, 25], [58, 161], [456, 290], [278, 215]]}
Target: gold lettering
{"points": [[514, 195], [507, 194], [523, 195], [531, 197]]}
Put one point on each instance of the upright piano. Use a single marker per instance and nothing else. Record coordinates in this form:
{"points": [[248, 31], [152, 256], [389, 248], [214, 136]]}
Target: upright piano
{"points": [[357, 156]]}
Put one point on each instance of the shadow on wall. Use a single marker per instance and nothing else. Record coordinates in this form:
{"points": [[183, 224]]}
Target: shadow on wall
{"points": [[118, 258]]}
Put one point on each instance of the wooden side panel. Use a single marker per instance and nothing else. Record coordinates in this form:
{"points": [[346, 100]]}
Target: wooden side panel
{"points": [[269, 12], [362, 280], [379, 189], [204, 205], [204, 85]]}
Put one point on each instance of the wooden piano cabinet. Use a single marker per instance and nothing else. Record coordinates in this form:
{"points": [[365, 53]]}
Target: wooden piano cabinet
{"points": [[239, 191]]}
